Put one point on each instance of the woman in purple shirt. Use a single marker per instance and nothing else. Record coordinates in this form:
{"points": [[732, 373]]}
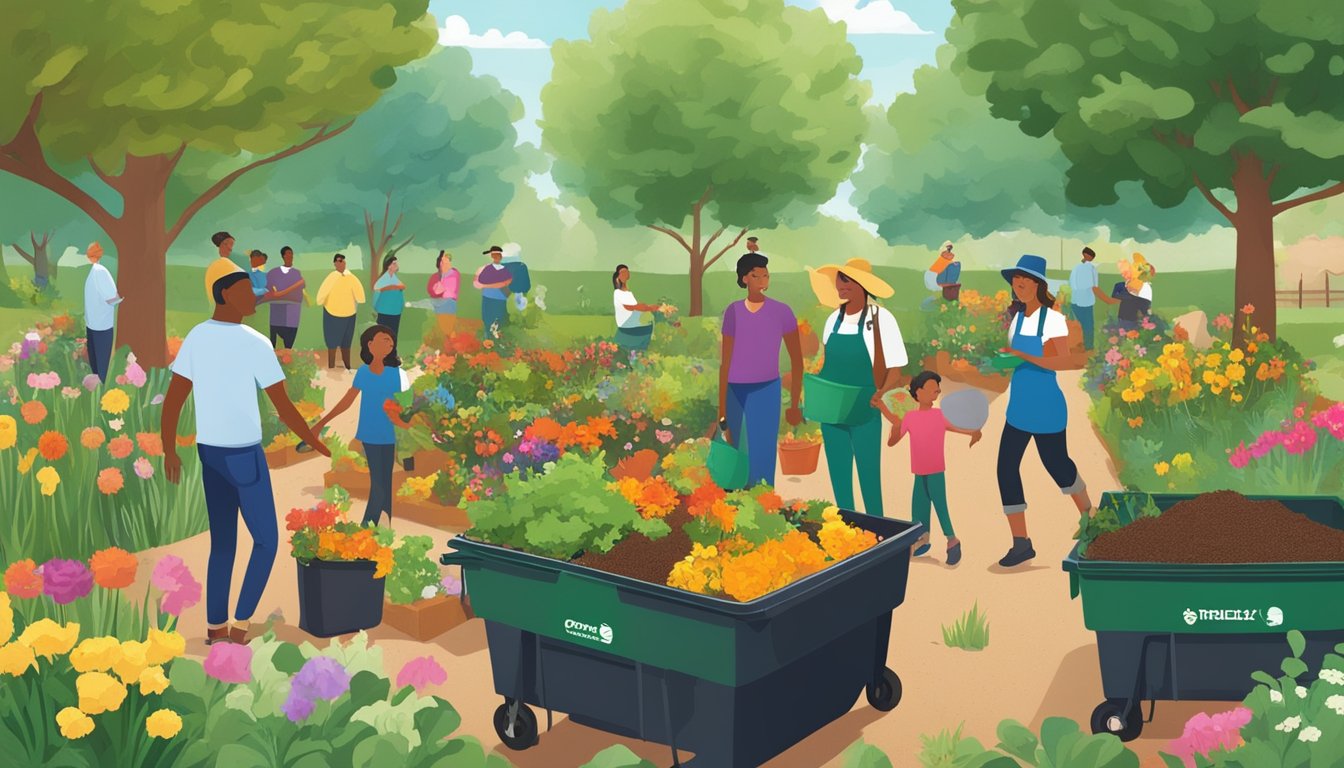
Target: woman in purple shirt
{"points": [[749, 382]]}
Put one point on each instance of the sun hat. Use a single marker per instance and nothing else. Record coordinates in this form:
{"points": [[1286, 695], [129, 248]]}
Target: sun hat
{"points": [[1028, 265], [858, 270], [947, 244]]}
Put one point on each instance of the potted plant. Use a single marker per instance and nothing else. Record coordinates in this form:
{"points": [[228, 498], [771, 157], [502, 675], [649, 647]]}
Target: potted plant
{"points": [[420, 601], [800, 450], [341, 567]]}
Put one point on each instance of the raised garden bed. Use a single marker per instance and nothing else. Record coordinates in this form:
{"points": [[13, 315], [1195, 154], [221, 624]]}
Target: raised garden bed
{"points": [[425, 620], [287, 456], [428, 512]]}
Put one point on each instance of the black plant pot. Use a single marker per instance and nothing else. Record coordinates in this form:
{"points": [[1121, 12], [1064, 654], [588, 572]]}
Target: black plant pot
{"points": [[408, 463], [337, 597]]}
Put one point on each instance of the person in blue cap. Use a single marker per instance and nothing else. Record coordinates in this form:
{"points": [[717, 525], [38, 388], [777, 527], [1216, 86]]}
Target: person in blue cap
{"points": [[1039, 335]]}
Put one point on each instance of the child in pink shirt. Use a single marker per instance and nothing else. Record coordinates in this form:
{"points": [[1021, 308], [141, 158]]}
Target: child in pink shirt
{"points": [[928, 430]]}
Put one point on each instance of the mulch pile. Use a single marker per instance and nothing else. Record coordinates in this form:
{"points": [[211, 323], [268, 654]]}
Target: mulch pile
{"points": [[641, 558], [1222, 527]]}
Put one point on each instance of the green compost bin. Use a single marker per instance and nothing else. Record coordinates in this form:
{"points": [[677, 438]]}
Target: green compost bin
{"points": [[1182, 631]]}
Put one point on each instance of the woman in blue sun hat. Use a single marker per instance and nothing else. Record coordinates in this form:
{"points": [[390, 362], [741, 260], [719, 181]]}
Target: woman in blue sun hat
{"points": [[1039, 335]]}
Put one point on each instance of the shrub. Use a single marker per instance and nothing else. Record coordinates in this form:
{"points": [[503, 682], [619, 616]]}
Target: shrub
{"points": [[970, 632]]}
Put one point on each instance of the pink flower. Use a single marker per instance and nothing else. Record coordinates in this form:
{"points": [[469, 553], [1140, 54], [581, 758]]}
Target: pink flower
{"points": [[664, 436], [420, 673], [1113, 356], [1301, 439], [1204, 734], [91, 382], [134, 373], [143, 469], [44, 381], [70, 393], [180, 589], [1222, 322], [229, 663], [65, 581], [452, 585], [508, 458], [1240, 456]]}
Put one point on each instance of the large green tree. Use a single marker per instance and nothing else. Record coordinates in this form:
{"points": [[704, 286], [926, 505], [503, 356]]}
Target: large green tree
{"points": [[136, 91], [435, 161], [1237, 95], [939, 166], [723, 112]]}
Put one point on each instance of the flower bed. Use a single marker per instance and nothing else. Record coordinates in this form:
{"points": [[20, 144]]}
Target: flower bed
{"points": [[309, 398], [416, 501], [80, 462], [971, 330]]}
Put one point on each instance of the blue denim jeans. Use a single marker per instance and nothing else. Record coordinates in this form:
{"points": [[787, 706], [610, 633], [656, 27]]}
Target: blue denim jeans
{"points": [[382, 460], [99, 346], [237, 480], [757, 405], [1086, 318]]}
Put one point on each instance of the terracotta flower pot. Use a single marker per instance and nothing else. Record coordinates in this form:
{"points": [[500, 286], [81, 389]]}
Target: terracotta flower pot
{"points": [[425, 619], [799, 457]]}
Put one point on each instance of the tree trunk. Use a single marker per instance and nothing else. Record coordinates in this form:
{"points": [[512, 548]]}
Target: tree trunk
{"points": [[44, 271], [1254, 220], [142, 240], [697, 279]]}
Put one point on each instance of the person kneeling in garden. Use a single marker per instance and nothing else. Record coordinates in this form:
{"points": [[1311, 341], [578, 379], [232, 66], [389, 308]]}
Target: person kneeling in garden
{"points": [[222, 364], [928, 430]]}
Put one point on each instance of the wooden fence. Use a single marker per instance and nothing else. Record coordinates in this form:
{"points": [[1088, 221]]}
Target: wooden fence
{"points": [[1301, 297]]}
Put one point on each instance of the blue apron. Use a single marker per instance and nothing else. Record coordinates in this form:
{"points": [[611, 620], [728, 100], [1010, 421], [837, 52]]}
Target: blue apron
{"points": [[1035, 401]]}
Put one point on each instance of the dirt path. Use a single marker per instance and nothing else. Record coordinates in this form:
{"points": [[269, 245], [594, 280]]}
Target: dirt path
{"points": [[1040, 661]]}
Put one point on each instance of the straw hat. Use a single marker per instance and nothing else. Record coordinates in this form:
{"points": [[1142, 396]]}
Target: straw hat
{"points": [[858, 270]]}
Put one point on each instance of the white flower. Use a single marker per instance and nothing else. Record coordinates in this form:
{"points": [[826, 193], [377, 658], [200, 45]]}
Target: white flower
{"points": [[1335, 703], [1276, 697], [1311, 733], [1333, 676], [1289, 725], [1301, 692], [116, 424], [429, 592]]}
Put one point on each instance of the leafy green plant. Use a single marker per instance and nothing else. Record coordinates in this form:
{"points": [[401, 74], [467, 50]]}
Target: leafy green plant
{"points": [[1116, 511], [1061, 745], [562, 512], [947, 748], [970, 632], [412, 570]]}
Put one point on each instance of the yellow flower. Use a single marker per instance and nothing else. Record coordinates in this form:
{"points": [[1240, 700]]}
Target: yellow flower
{"points": [[49, 639], [153, 681], [9, 432], [26, 463], [96, 654], [1161, 468], [1237, 356], [99, 692], [1182, 461], [115, 401], [1236, 371], [6, 619], [164, 646], [1213, 360], [1236, 398], [74, 724], [164, 724], [131, 661], [15, 659], [49, 479]]}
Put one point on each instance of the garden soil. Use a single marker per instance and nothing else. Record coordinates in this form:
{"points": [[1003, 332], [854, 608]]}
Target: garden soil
{"points": [[1222, 527], [640, 557], [1041, 661]]}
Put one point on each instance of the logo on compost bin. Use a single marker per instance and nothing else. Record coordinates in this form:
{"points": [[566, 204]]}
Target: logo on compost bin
{"points": [[1191, 617], [599, 634], [1272, 617]]}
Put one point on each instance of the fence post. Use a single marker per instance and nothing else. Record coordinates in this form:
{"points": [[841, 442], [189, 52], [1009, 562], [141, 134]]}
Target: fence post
{"points": [[1299, 291]]}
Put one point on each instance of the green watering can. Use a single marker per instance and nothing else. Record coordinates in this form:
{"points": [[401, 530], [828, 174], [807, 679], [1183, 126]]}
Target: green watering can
{"points": [[727, 465]]}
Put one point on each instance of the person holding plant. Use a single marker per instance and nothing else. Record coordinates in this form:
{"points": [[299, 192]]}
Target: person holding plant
{"points": [[442, 288], [631, 332], [928, 428], [221, 364], [389, 296], [863, 351], [750, 388], [378, 380], [339, 296], [1039, 335]]}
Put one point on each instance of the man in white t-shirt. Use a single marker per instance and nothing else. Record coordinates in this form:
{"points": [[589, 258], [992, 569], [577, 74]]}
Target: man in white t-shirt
{"points": [[221, 364], [100, 301]]}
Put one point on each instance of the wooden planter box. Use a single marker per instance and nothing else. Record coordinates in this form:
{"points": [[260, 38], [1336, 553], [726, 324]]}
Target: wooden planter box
{"points": [[430, 513], [425, 619], [428, 462], [287, 457]]}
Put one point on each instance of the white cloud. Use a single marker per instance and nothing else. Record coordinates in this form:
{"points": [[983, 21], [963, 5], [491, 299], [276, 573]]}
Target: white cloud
{"points": [[877, 17], [456, 31]]}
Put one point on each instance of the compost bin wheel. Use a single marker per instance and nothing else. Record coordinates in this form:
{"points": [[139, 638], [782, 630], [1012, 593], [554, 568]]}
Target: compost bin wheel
{"points": [[1109, 717], [884, 693], [524, 726]]}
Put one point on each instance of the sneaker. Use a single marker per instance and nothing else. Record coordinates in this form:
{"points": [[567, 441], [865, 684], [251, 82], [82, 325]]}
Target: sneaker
{"points": [[1019, 554], [954, 554]]}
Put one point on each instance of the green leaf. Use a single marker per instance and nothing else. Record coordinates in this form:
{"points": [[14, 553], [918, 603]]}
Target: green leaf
{"points": [[58, 66], [1017, 740], [1294, 668], [1294, 60], [187, 676], [1171, 761], [859, 755], [1297, 642], [288, 659], [1054, 731], [1337, 65], [1265, 678], [236, 755], [620, 756]]}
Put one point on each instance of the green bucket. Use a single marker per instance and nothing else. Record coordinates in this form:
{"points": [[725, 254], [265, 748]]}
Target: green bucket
{"points": [[727, 465], [1005, 362], [827, 402]]}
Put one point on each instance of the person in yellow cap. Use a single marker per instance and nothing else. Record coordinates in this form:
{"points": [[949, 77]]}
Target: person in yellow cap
{"points": [[863, 350]]}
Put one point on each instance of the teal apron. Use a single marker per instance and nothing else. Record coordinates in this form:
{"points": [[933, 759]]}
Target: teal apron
{"points": [[1035, 401], [858, 441]]}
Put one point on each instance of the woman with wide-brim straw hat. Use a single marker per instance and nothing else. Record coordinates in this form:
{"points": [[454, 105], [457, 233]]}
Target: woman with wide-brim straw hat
{"points": [[864, 351], [1037, 410]]}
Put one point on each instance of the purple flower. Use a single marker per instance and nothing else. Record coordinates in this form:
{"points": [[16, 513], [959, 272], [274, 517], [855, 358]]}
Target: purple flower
{"points": [[297, 708], [452, 585], [91, 382], [65, 581], [229, 663], [420, 673], [158, 400], [320, 678]]}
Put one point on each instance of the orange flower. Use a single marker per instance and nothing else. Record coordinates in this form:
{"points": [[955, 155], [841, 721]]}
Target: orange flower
{"points": [[113, 568], [657, 498], [120, 447], [33, 411], [724, 514], [545, 428], [110, 480], [1249, 309], [770, 501], [186, 441], [92, 438], [174, 345], [23, 580], [52, 445], [150, 442], [1136, 422], [702, 499]]}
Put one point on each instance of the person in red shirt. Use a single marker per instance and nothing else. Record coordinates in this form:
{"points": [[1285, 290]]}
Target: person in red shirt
{"points": [[928, 430]]}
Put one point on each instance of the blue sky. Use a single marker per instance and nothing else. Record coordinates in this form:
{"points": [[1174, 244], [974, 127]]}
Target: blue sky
{"points": [[510, 40]]}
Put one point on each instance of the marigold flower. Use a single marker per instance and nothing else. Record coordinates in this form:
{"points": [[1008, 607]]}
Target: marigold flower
{"points": [[33, 412], [131, 661], [15, 659], [73, 723], [6, 619], [99, 692], [113, 568], [1136, 422], [164, 646], [92, 438], [115, 401], [48, 478], [52, 445], [110, 481], [153, 681], [95, 654], [9, 432], [49, 639], [120, 447], [1248, 309], [1161, 468], [150, 442], [163, 724], [22, 579]]}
